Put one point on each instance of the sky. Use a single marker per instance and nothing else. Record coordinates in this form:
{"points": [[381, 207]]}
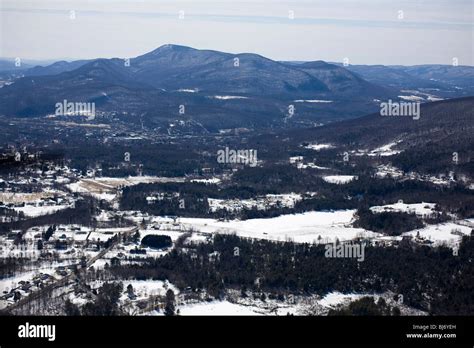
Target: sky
{"points": [[388, 32]]}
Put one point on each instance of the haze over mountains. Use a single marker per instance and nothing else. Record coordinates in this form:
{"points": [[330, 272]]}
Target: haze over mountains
{"points": [[220, 90], [446, 81]]}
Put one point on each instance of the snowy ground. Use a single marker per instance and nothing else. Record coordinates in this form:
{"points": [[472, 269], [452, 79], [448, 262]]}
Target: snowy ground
{"points": [[388, 170], [34, 211], [143, 288], [76, 232], [411, 97], [105, 187], [421, 209], [261, 203], [385, 150], [312, 101], [415, 95], [339, 179], [333, 299], [442, 234], [207, 181], [318, 147], [185, 90], [6, 284], [300, 305], [310, 165], [301, 228], [38, 203], [21, 197], [228, 97]]}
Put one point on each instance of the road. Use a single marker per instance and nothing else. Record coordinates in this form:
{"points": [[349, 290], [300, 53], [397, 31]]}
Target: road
{"points": [[63, 281]]}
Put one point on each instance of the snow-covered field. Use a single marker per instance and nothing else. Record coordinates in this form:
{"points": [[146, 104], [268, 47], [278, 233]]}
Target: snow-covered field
{"points": [[333, 299], [185, 90], [411, 97], [385, 150], [301, 228], [22, 197], [312, 101], [105, 188], [145, 288], [228, 97], [38, 203], [388, 170], [283, 200], [207, 181], [420, 209], [108, 184], [339, 179], [33, 211], [318, 147], [310, 165], [442, 234], [416, 95], [249, 306]]}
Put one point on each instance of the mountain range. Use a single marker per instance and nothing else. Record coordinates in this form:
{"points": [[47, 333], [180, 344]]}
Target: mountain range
{"points": [[445, 81], [219, 90]]}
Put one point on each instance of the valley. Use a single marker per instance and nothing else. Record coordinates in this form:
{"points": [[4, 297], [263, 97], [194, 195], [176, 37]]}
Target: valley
{"points": [[236, 173], [79, 200]]}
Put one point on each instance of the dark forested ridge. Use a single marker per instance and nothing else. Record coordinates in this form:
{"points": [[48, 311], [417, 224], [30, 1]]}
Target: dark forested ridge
{"points": [[442, 122], [430, 279]]}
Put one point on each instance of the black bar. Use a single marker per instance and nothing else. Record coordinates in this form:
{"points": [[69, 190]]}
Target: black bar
{"points": [[139, 331]]}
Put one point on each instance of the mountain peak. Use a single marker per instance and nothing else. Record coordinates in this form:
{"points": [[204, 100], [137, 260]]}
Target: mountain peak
{"points": [[171, 48], [317, 64]]}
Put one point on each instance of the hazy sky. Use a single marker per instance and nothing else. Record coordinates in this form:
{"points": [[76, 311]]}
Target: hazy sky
{"points": [[364, 31]]}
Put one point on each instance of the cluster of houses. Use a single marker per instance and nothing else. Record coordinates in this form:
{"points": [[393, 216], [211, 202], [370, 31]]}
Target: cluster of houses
{"points": [[161, 196], [24, 287], [44, 202]]}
